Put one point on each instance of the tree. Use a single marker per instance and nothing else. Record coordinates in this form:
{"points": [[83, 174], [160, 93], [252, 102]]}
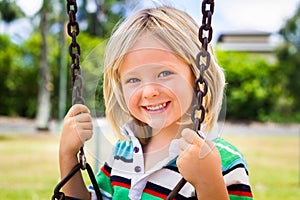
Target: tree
{"points": [[31, 66], [250, 91], [43, 111], [288, 73], [101, 20], [9, 11]]}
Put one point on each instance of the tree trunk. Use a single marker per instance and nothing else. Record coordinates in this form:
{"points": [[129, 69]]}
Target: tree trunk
{"points": [[43, 111], [63, 66]]}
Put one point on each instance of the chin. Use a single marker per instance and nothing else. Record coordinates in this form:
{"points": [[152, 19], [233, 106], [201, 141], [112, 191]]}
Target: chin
{"points": [[158, 124]]}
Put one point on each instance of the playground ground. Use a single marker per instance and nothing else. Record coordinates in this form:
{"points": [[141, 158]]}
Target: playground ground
{"points": [[29, 161]]}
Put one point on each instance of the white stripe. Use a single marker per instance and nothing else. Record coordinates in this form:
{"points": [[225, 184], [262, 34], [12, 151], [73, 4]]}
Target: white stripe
{"points": [[169, 179], [105, 195], [237, 176], [229, 149], [124, 170], [158, 178]]}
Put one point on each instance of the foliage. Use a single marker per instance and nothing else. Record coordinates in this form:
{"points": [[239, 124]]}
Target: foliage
{"points": [[101, 21], [250, 88], [9, 11], [256, 90], [18, 80], [261, 91], [288, 73], [19, 73]]}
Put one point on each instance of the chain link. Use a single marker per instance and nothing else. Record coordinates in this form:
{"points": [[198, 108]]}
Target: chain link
{"points": [[202, 62], [203, 59], [74, 51]]}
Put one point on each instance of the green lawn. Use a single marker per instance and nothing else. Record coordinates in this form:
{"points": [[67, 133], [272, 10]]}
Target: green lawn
{"points": [[29, 166], [273, 165]]}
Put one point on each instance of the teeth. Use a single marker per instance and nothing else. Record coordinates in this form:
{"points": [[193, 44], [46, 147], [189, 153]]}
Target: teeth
{"points": [[157, 107]]}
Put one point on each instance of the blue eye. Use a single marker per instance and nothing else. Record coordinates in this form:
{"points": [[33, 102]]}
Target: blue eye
{"points": [[133, 80], [165, 73]]}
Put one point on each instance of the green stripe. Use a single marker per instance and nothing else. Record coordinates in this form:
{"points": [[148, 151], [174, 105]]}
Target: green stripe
{"points": [[234, 197], [228, 152], [120, 193], [147, 196], [104, 182]]}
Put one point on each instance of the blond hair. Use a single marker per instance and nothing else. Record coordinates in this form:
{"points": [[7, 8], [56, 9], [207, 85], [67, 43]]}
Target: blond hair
{"points": [[179, 32]]}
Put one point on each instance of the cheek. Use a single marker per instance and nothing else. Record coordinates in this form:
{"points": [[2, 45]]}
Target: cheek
{"points": [[132, 98], [184, 94], [182, 90]]}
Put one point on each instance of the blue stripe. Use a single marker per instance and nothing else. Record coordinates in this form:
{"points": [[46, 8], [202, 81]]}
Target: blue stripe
{"points": [[124, 151], [234, 163]]}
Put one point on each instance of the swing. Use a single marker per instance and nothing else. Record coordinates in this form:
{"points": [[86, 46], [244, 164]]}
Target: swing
{"points": [[200, 89]]}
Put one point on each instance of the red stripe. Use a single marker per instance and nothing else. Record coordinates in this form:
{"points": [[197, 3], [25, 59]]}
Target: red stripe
{"points": [[241, 193], [154, 193], [105, 172], [120, 184]]}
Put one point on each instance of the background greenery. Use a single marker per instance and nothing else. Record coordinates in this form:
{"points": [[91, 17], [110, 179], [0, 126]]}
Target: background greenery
{"points": [[257, 89]]}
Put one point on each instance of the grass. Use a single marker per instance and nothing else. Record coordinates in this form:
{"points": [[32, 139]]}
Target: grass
{"points": [[273, 165], [29, 165]]}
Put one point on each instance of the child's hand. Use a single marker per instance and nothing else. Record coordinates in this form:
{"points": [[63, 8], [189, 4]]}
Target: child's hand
{"points": [[77, 128], [199, 163]]}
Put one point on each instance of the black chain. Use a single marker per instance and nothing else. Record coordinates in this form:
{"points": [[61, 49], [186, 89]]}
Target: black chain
{"points": [[202, 62], [77, 83], [74, 51], [200, 84]]}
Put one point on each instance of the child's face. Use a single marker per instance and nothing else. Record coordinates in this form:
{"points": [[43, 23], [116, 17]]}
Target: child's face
{"points": [[157, 85]]}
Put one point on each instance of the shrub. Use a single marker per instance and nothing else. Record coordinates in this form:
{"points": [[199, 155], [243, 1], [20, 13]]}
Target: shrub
{"points": [[250, 90]]}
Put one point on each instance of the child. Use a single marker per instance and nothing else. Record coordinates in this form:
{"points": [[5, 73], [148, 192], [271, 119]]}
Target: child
{"points": [[148, 87]]}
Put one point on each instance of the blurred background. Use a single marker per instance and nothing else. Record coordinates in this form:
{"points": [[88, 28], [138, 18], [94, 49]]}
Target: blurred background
{"points": [[257, 43]]}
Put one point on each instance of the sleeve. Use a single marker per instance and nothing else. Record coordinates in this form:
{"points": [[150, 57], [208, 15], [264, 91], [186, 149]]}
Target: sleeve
{"points": [[103, 180], [235, 171]]}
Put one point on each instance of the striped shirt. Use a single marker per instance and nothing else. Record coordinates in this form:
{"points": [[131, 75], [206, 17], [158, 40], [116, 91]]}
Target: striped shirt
{"points": [[124, 177]]}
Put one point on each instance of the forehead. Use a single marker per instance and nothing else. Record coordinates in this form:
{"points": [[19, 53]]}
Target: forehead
{"points": [[149, 56], [148, 50]]}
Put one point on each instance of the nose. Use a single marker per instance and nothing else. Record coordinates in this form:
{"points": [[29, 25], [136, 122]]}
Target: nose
{"points": [[150, 91]]}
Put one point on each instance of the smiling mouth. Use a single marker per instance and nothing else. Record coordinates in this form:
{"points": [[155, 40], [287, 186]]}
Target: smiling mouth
{"points": [[158, 107]]}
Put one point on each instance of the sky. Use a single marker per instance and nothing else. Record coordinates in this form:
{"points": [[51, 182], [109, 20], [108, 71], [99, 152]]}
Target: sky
{"points": [[237, 15], [229, 15], [30, 7], [265, 15]]}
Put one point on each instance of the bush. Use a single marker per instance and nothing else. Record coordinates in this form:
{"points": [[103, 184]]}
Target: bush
{"points": [[19, 74], [250, 91], [18, 81]]}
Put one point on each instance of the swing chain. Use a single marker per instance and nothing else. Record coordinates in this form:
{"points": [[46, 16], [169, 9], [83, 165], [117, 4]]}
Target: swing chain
{"points": [[203, 59], [206, 28], [202, 62], [74, 51]]}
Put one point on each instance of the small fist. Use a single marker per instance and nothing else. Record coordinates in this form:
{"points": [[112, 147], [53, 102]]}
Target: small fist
{"points": [[198, 160], [77, 128]]}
